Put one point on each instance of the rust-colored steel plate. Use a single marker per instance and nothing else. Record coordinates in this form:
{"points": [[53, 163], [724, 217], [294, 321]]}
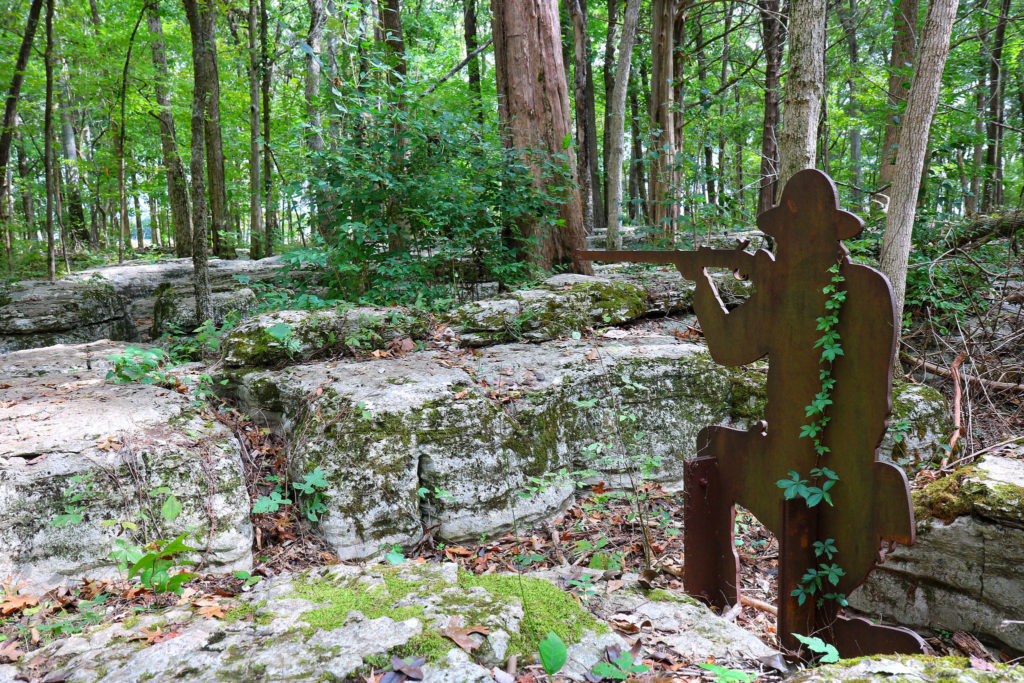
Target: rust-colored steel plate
{"points": [[871, 500]]}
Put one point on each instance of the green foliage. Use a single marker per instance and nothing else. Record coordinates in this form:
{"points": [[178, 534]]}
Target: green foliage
{"points": [[312, 492], [154, 567], [727, 675], [553, 653], [620, 668], [828, 652], [136, 364]]}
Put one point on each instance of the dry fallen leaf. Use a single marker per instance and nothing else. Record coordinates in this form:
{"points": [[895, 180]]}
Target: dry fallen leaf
{"points": [[461, 635], [209, 608], [593, 355], [461, 394], [10, 652], [15, 603]]}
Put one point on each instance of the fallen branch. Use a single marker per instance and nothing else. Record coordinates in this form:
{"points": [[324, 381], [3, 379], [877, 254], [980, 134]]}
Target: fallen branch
{"points": [[457, 67], [918, 363], [758, 604], [989, 228], [954, 370]]}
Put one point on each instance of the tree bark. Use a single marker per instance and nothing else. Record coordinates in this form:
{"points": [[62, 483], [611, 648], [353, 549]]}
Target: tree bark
{"points": [[154, 222], [805, 86], [992, 195], [912, 144], [7, 125], [848, 19], [69, 150], [311, 91], [270, 227], [51, 261], [469, 34], [140, 234], [177, 187], [616, 122], [973, 198], [125, 241], [664, 174], [637, 180], [201, 95], [586, 128], [901, 66], [256, 236], [533, 105], [773, 38]]}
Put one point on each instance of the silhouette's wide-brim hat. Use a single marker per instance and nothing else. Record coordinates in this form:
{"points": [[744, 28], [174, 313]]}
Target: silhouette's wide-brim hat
{"points": [[808, 193]]}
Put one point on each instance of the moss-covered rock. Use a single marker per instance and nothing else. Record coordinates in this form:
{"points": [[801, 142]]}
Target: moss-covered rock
{"points": [[84, 462], [174, 306], [341, 623], [38, 314], [909, 669], [966, 570], [286, 336], [563, 304]]}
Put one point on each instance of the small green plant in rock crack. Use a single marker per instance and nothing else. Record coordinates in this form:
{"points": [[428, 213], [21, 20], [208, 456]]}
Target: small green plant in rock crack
{"points": [[311, 495], [620, 668], [285, 336]]}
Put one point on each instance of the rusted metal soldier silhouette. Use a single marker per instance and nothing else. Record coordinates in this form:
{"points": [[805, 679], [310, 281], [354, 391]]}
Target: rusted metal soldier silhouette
{"points": [[871, 501]]}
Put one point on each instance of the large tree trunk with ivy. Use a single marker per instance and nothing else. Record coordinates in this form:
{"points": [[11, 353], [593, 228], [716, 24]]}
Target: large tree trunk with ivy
{"points": [[805, 86], [201, 95], [901, 66], [616, 122], [533, 106], [174, 171], [913, 143]]}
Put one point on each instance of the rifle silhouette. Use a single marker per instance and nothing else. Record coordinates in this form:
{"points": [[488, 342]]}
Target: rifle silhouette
{"points": [[688, 262]]}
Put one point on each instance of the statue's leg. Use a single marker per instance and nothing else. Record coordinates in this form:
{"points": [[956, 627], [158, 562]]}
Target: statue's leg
{"points": [[713, 482]]}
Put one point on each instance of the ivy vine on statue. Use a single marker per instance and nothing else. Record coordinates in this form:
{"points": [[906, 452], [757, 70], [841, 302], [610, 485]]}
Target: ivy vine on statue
{"points": [[810, 471]]}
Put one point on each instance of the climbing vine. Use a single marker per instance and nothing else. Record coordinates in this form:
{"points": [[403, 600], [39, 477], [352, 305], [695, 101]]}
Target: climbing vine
{"points": [[816, 579]]}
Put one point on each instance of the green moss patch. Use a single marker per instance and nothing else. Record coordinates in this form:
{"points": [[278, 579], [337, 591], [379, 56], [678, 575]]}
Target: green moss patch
{"points": [[546, 607], [966, 492]]}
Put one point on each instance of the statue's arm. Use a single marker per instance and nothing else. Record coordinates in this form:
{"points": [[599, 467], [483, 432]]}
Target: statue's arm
{"points": [[734, 338]]}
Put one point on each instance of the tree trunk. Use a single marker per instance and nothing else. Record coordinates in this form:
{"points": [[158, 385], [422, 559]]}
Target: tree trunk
{"points": [[912, 144], [616, 122], [7, 125], [311, 91], [201, 95], [805, 86], [901, 66], [154, 222], [586, 129], [664, 176], [69, 150], [256, 236], [977, 159], [638, 181], [125, 237], [51, 261], [723, 74], [177, 187], [216, 181], [992, 195], [269, 188], [533, 105], [848, 19], [473, 68], [140, 234], [773, 37]]}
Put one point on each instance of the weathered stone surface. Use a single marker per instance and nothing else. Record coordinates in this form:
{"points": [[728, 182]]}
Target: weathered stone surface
{"points": [[563, 304], [338, 623], [60, 359], [436, 438], [383, 430], [313, 333], [36, 314], [69, 432], [966, 570], [141, 278], [174, 306], [914, 669]]}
